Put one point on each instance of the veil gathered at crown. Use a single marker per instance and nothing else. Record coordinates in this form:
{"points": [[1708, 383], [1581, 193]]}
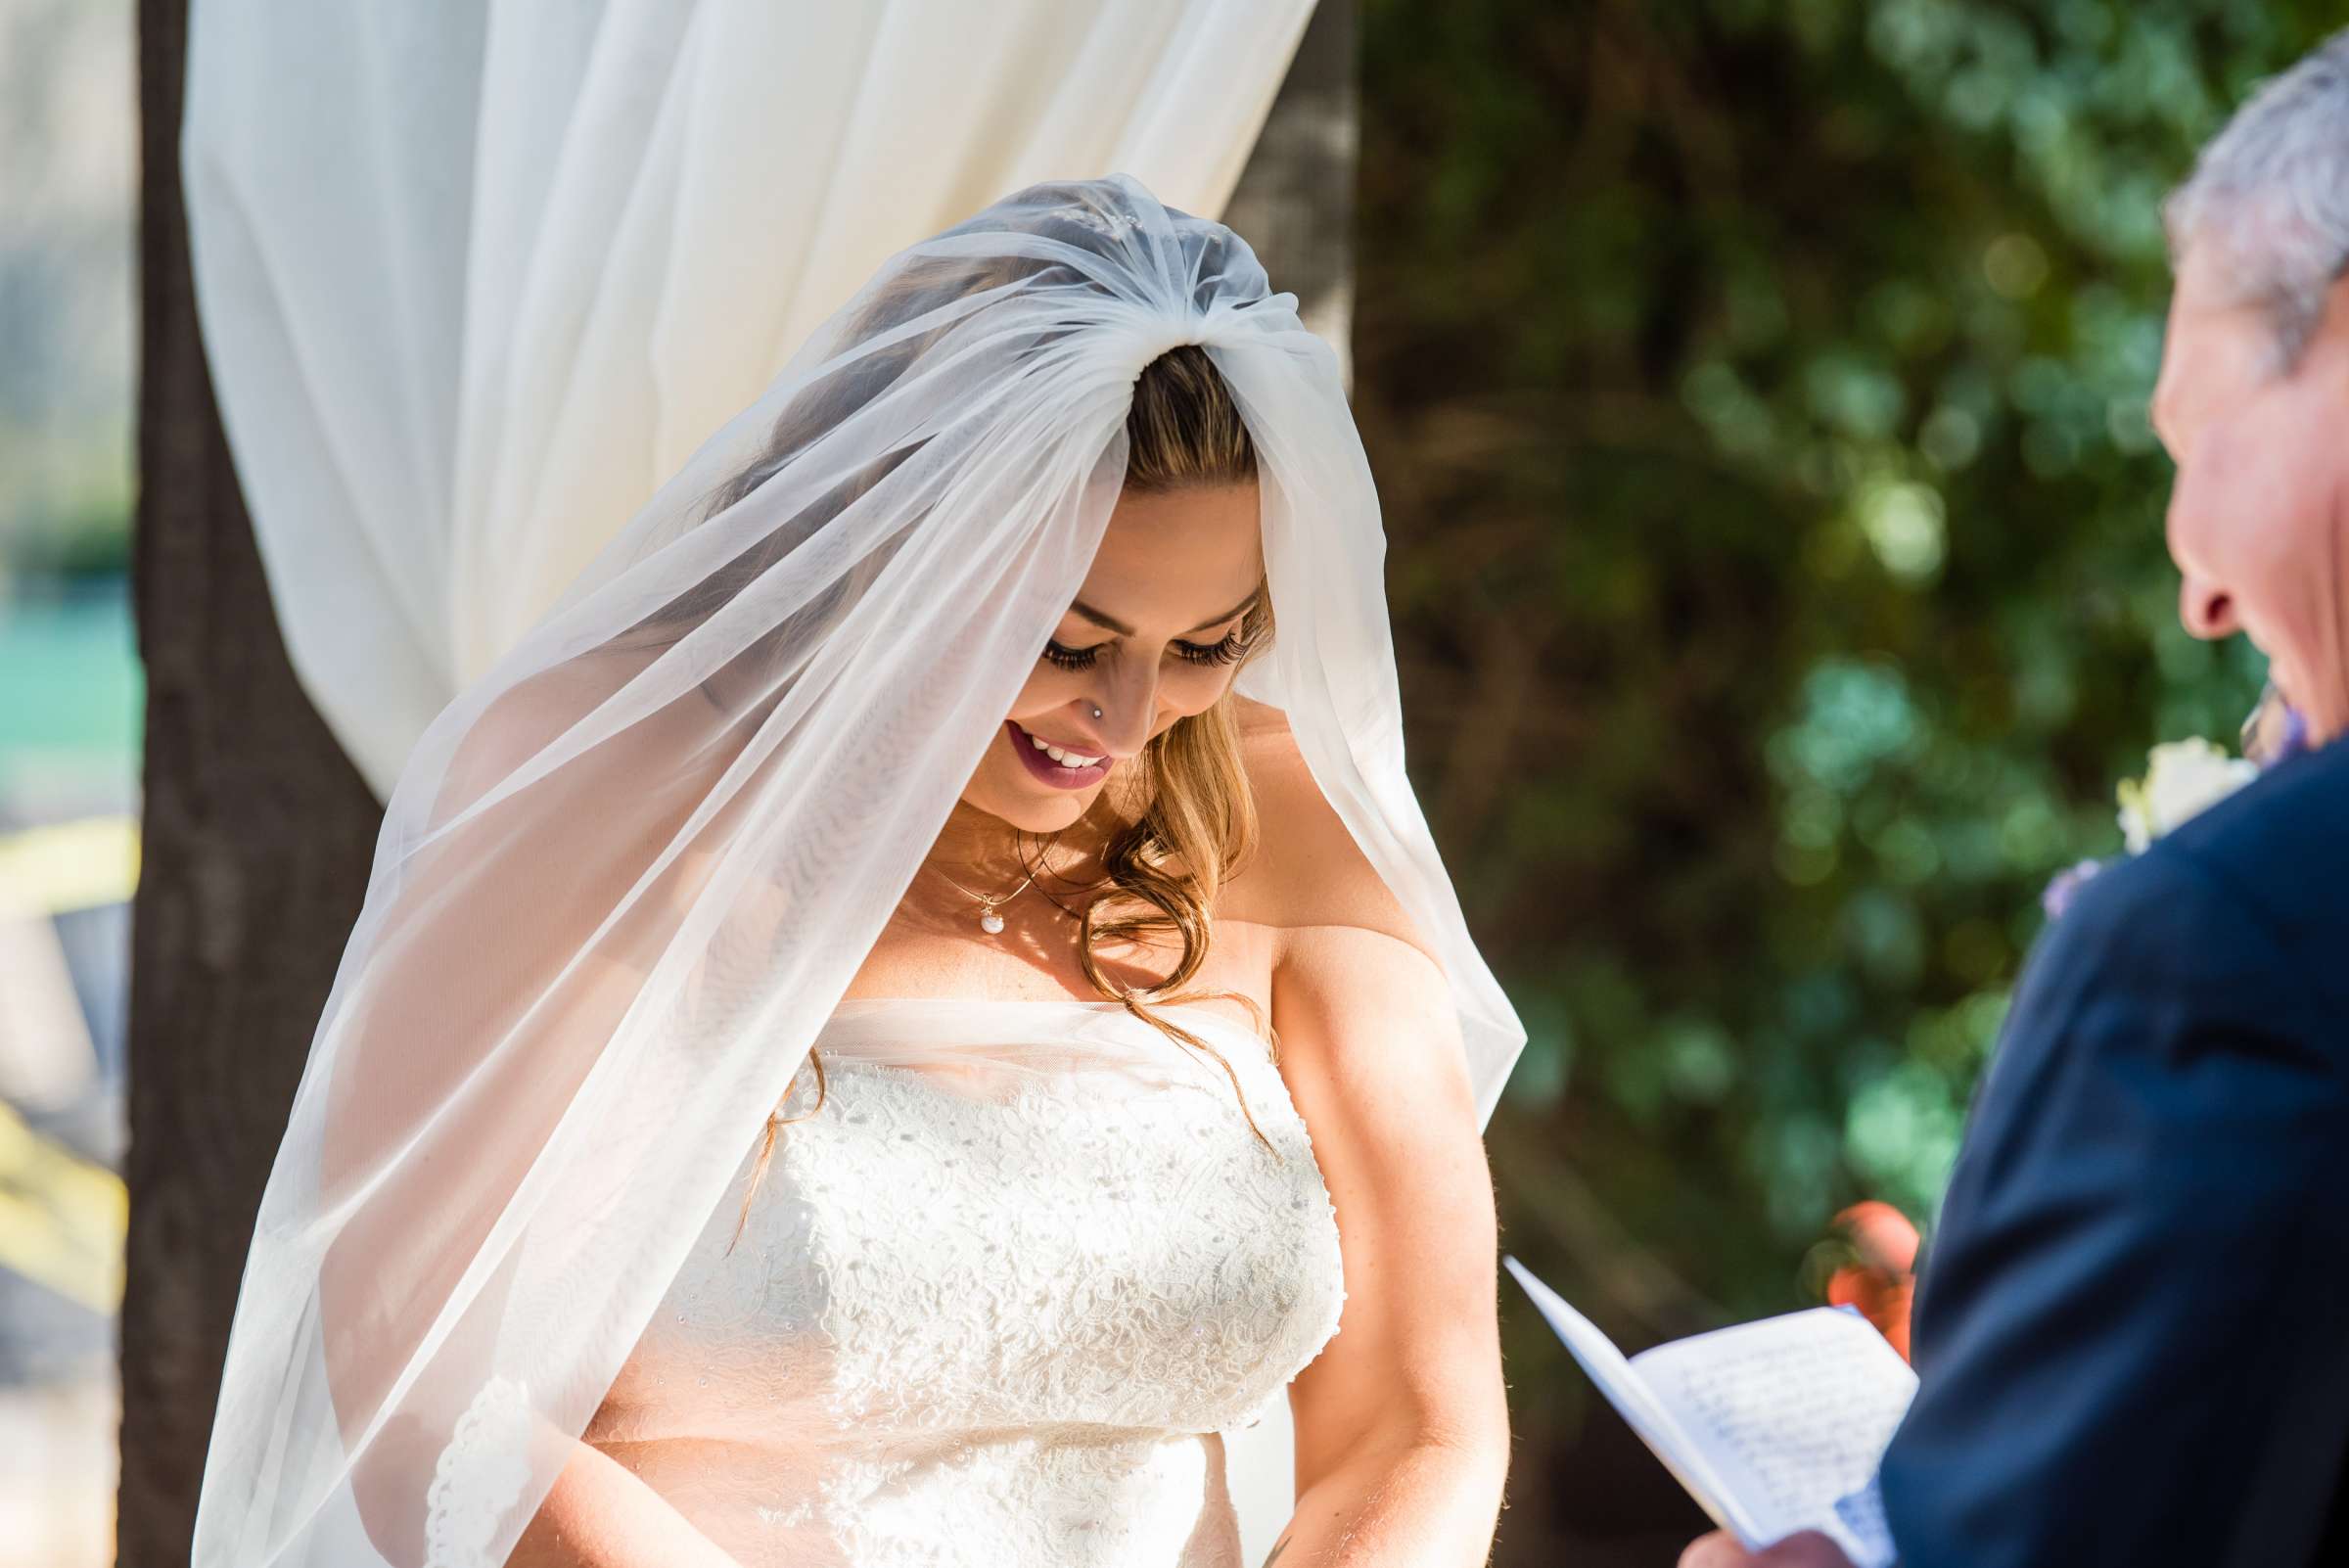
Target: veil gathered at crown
{"points": [[625, 878]]}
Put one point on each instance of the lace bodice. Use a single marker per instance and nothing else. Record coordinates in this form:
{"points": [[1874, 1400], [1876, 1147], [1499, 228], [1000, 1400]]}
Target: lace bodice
{"points": [[992, 1301]]}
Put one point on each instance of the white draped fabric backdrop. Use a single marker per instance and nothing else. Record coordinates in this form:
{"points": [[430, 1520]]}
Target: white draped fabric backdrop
{"points": [[474, 278]]}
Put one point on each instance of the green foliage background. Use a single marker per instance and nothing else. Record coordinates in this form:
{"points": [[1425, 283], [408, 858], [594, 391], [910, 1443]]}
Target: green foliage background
{"points": [[1758, 392]]}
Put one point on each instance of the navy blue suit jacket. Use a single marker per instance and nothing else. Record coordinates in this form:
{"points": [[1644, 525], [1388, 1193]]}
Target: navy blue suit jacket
{"points": [[2131, 1330]]}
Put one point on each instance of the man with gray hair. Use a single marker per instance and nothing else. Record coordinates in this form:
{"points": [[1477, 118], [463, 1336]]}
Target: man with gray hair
{"points": [[2132, 1332]]}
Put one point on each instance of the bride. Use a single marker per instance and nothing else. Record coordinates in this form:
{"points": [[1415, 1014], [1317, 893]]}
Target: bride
{"points": [[917, 1000]]}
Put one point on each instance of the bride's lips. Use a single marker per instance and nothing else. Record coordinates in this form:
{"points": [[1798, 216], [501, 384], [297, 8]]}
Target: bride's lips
{"points": [[1049, 771]]}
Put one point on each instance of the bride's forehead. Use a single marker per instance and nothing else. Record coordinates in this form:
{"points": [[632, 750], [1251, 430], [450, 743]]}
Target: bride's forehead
{"points": [[1177, 556]]}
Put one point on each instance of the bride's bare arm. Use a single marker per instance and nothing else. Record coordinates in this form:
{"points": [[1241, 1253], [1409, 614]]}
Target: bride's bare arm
{"points": [[601, 1515], [486, 1005], [1402, 1421]]}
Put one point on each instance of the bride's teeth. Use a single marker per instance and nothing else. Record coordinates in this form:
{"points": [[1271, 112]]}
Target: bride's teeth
{"points": [[1064, 759]]}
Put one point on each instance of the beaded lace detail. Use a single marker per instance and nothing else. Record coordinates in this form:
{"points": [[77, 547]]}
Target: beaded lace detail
{"points": [[1116, 224], [479, 1476], [990, 1312]]}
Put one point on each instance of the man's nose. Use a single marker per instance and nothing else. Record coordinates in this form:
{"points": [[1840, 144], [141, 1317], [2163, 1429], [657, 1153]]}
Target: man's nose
{"points": [[2205, 609]]}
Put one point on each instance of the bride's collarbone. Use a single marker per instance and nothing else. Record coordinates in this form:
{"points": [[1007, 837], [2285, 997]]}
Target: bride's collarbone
{"points": [[1035, 958]]}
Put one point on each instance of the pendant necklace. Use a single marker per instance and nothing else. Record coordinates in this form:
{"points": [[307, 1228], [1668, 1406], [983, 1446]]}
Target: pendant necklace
{"points": [[989, 921]]}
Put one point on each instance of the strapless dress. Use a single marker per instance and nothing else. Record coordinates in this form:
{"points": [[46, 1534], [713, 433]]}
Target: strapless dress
{"points": [[995, 1300]]}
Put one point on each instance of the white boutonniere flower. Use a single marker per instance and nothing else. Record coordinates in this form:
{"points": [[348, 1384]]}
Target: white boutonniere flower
{"points": [[2187, 778], [2183, 779]]}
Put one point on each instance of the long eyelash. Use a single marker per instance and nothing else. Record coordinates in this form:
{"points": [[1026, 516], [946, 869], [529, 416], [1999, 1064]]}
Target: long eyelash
{"points": [[1228, 651]]}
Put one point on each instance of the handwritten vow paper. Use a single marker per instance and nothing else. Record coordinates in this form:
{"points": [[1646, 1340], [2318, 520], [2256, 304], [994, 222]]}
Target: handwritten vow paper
{"points": [[1772, 1426]]}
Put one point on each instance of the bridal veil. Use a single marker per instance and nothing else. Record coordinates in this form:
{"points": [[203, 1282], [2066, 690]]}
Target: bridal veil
{"points": [[626, 876]]}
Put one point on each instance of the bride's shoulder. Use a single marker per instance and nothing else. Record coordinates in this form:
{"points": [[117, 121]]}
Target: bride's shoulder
{"points": [[1307, 871]]}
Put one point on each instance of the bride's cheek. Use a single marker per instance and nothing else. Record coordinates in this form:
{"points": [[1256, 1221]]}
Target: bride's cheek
{"points": [[1193, 692], [1042, 690]]}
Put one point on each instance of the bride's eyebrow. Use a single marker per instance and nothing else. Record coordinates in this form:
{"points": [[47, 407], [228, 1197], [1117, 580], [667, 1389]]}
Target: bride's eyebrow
{"points": [[1113, 623]]}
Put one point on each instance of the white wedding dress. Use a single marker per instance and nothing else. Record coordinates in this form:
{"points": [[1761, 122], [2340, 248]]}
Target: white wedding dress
{"points": [[994, 1301]]}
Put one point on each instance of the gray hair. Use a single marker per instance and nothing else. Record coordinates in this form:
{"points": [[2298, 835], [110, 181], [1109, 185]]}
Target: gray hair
{"points": [[2270, 195]]}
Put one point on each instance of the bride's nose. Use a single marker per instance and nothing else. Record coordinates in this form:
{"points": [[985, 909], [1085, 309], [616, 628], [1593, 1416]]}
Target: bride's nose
{"points": [[1128, 708]]}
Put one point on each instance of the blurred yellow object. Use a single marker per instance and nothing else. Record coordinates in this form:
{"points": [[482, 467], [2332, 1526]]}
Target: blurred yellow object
{"points": [[61, 1218], [84, 864]]}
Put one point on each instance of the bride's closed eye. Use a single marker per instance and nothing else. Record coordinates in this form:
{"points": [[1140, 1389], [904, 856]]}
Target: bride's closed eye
{"points": [[1225, 651]]}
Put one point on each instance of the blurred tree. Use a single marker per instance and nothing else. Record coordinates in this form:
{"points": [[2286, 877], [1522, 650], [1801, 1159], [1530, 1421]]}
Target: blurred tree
{"points": [[1757, 390]]}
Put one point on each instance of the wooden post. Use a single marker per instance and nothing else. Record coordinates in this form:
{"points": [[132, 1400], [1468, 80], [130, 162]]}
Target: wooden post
{"points": [[1295, 200], [256, 838]]}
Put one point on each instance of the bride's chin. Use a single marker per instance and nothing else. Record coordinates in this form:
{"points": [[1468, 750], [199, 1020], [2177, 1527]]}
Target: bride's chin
{"points": [[1030, 810]]}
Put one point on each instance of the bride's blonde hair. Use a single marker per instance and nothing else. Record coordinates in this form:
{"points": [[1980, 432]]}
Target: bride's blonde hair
{"points": [[1196, 820]]}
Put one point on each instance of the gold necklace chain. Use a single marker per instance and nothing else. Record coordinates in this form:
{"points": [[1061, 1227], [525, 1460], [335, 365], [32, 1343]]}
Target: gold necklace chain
{"points": [[989, 920]]}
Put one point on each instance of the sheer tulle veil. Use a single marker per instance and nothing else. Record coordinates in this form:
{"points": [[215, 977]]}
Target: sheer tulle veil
{"points": [[625, 877]]}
